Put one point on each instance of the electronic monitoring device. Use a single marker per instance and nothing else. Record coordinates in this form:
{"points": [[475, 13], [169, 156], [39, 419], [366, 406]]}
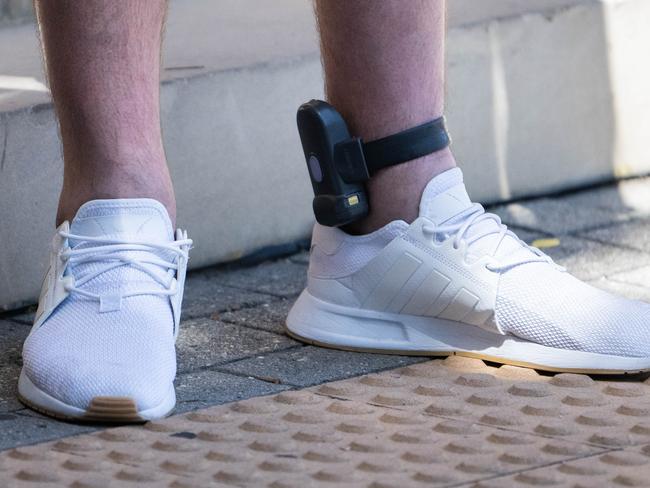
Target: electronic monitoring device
{"points": [[340, 164]]}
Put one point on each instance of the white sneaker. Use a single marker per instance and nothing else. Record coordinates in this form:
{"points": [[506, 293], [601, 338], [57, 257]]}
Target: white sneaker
{"points": [[102, 345], [456, 281]]}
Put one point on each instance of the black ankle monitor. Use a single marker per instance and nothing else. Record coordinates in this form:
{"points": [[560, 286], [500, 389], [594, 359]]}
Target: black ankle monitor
{"points": [[340, 164]]}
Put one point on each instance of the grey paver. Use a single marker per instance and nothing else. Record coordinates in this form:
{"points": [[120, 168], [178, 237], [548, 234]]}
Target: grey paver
{"points": [[206, 294], [282, 278], [629, 197], [589, 260], [314, 365], [300, 258], [526, 235], [627, 290], [556, 216], [634, 234], [9, 388], [206, 388], [28, 427], [204, 342], [269, 316], [639, 277], [12, 335], [25, 316], [585, 258]]}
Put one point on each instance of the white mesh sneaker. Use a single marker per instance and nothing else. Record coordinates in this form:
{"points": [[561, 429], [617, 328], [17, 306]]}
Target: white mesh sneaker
{"points": [[456, 281], [102, 345]]}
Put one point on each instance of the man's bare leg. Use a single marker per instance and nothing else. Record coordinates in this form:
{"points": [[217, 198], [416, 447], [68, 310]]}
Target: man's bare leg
{"points": [[102, 346], [384, 72], [103, 65], [455, 280]]}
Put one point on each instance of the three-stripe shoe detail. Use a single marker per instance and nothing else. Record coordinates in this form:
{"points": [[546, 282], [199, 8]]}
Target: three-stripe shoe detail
{"points": [[409, 284]]}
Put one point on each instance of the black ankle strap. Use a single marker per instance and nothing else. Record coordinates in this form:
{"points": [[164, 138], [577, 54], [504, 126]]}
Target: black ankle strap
{"points": [[357, 160]]}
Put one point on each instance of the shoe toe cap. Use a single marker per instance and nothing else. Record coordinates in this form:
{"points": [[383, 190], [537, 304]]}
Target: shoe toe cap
{"points": [[75, 375], [77, 384]]}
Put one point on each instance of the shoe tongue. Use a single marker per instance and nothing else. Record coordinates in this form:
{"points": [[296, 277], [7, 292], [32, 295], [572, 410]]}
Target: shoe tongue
{"points": [[445, 197], [136, 218], [445, 201]]}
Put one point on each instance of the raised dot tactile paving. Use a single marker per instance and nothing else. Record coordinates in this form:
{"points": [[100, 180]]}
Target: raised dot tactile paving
{"points": [[452, 422]]}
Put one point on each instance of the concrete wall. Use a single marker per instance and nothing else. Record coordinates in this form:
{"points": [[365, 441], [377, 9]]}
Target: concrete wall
{"points": [[542, 95], [533, 94], [16, 11]]}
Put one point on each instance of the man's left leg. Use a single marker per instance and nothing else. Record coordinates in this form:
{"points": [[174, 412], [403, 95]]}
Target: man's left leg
{"points": [[427, 271]]}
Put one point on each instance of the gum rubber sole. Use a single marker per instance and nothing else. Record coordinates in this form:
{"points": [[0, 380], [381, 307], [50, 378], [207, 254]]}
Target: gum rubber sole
{"points": [[112, 409], [92, 414], [325, 324], [484, 357]]}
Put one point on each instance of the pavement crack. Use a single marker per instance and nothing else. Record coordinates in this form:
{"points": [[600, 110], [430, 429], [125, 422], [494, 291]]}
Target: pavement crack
{"points": [[608, 243], [3, 156], [532, 468], [333, 397], [260, 292], [265, 379]]}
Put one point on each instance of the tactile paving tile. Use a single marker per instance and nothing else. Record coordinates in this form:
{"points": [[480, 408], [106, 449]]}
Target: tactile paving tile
{"points": [[611, 414], [442, 423]]}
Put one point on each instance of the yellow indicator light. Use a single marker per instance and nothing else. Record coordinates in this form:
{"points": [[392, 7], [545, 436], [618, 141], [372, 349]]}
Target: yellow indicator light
{"points": [[546, 243], [353, 200]]}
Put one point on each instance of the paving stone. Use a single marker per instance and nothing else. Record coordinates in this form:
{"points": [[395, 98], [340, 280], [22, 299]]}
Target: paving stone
{"points": [[528, 236], [12, 336], [24, 316], [585, 258], [639, 277], [555, 216], [206, 388], [590, 260], [628, 467], [27, 427], [281, 278], [631, 291], [300, 258], [314, 365], [9, 388], [206, 294], [269, 316], [204, 342], [629, 197], [634, 234], [378, 430], [576, 408]]}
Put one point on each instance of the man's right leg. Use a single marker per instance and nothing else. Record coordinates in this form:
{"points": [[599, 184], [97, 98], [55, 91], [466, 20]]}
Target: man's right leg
{"points": [[102, 346], [103, 67]]}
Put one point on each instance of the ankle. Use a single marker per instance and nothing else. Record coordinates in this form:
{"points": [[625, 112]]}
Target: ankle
{"points": [[157, 186], [394, 193]]}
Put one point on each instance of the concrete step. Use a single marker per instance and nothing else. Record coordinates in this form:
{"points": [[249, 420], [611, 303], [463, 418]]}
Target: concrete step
{"points": [[14, 12], [543, 95]]}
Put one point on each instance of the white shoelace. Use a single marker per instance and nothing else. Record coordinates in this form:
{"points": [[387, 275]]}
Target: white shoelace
{"points": [[109, 253], [476, 214]]}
